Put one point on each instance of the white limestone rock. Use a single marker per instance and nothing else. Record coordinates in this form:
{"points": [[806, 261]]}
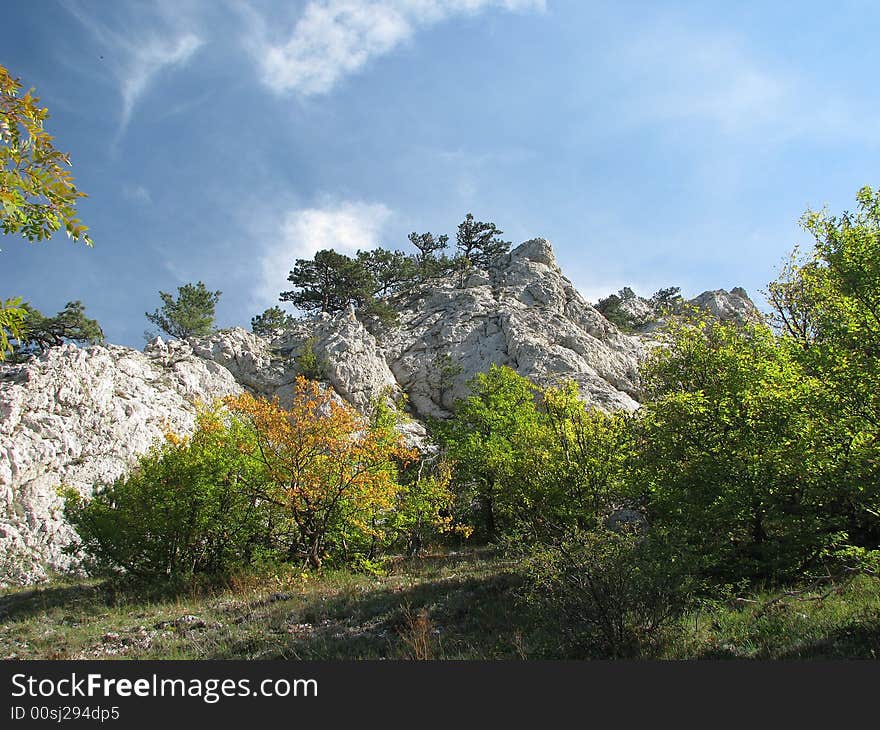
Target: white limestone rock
{"points": [[732, 306], [523, 313]]}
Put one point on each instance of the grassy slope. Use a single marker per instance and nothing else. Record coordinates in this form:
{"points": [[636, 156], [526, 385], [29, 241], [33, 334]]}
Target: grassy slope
{"points": [[454, 606]]}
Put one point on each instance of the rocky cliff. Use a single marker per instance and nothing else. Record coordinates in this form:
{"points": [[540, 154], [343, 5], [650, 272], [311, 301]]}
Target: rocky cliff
{"points": [[80, 417]]}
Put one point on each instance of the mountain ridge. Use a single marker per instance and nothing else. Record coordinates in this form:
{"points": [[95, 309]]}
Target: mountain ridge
{"points": [[81, 416]]}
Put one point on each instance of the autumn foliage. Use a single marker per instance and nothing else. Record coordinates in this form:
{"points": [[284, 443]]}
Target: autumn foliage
{"points": [[332, 472]]}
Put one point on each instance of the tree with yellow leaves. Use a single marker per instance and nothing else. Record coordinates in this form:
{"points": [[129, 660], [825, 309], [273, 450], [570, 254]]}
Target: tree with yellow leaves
{"points": [[333, 472]]}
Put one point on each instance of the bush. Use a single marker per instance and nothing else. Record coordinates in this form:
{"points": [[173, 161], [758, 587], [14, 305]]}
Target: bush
{"points": [[332, 473], [610, 594], [738, 458], [426, 507], [535, 461], [272, 322], [308, 364], [188, 507], [378, 316]]}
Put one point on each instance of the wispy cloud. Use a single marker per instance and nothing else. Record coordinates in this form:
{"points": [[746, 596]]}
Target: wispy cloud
{"points": [[335, 38], [137, 48], [676, 74], [137, 194], [146, 60], [345, 227]]}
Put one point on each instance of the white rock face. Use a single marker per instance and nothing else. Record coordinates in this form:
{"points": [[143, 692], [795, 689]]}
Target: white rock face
{"points": [[638, 310], [734, 305], [247, 357], [80, 417], [523, 313], [353, 362]]}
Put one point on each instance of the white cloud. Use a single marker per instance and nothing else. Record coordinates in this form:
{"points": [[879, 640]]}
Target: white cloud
{"points": [[345, 227], [137, 194], [145, 61], [335, 38], [136, 48], [675, 74]]}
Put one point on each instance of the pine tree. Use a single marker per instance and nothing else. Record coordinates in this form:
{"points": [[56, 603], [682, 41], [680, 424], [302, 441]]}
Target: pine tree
{"points": [[39, 333], [328, 283], [271, 322], [479, 243], [190, 315], [388, 270]]}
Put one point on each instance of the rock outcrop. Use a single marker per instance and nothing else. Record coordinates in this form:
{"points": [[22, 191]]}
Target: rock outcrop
{"points": [[735, 305], [522, 312], [642, 316], [80, 416]]}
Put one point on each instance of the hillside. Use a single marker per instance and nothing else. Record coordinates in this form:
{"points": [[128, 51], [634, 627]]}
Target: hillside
{"points": [[79, 416]]}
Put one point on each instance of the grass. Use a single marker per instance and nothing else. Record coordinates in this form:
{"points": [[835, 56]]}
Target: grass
{"points": [[840, 621], [450, 606], [457, 605]]}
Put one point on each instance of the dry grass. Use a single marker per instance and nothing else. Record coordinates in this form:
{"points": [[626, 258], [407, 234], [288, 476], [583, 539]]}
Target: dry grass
{"points": [[445, 606], [417, 634]]}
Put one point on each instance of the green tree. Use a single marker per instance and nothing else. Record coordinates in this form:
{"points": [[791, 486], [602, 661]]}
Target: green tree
{"points": [[479, 243], [581, 473], [791, 296], [487, 437], [271, 322], [378, 315], [190, 315], [667, 300], [735, 454], [37, 193], [431, 261], [609, 307], [827, 302], [329, 283], [832, 307], [613, 309], [427, 244], [12, 317], [447, 370], [388, 270], [308, 364], [39, 333], [426, 506]]}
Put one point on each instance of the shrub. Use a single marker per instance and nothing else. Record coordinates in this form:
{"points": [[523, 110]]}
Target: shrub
{"points": [[272, 322], [610, 594], [536, 461], [308, 364], [378, 316], [188, 507], [426, 507], [332, 473], [737, 456]]}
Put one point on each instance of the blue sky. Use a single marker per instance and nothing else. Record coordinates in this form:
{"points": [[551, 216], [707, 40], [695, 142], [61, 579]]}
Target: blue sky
{"points": [[654, 143]]}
